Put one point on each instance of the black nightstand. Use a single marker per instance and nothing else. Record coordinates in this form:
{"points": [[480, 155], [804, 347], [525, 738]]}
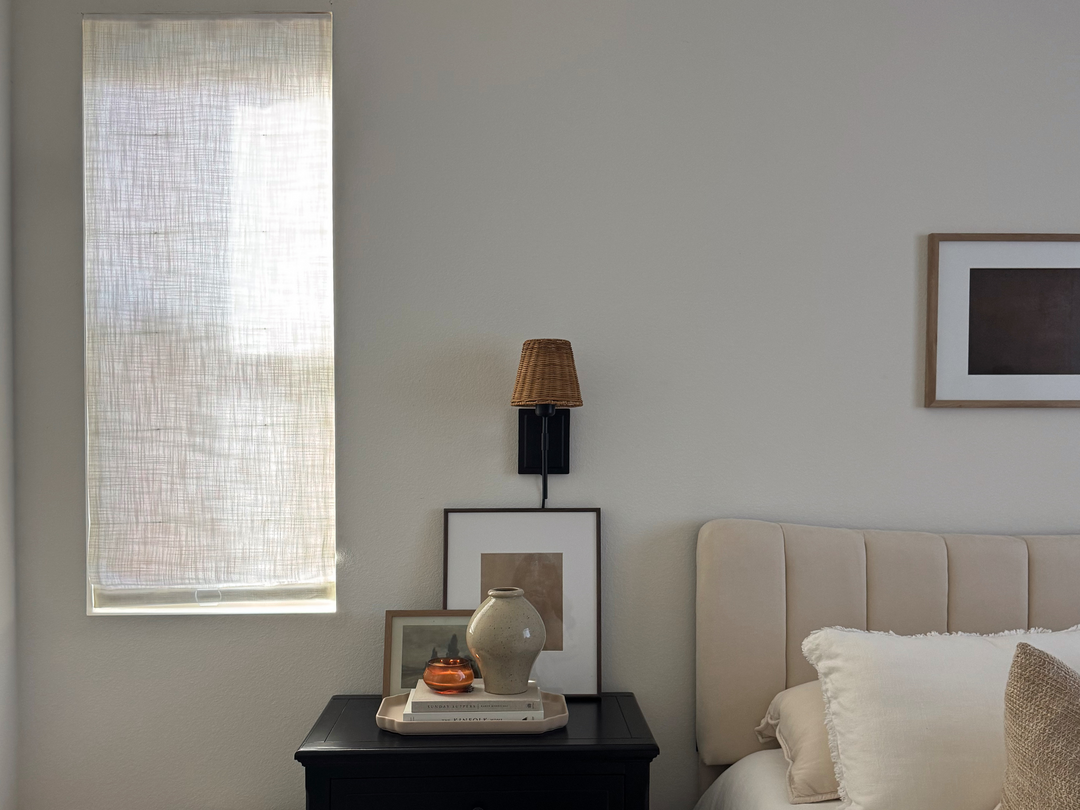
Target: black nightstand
{"points": [[599, 761]]}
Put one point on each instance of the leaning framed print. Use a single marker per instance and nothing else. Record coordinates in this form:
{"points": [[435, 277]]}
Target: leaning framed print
{"points": [[414, 637], [554, 555], [1003, 321]]}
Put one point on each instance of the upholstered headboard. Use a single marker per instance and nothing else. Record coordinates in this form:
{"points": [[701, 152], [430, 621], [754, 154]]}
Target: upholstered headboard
{"points": [[763, 587]]}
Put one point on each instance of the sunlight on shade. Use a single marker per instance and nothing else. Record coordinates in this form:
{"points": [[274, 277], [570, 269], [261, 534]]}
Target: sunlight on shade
{"points": [[209, 313]]}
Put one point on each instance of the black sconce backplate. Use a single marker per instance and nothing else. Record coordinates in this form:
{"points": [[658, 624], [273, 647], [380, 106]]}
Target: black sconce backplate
{"points": [[530, 427]]}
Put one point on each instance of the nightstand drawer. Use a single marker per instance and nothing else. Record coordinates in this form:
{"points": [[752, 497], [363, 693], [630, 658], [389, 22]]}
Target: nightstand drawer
{"points": [[483, 792]]}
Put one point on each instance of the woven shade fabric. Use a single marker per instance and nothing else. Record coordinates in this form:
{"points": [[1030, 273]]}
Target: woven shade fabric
{"points": [[209, 313], [1042, 733], [546, 375]]}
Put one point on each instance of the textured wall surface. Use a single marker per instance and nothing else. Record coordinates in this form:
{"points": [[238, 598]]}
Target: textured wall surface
{"points": [[722, 204], [9, 721]]}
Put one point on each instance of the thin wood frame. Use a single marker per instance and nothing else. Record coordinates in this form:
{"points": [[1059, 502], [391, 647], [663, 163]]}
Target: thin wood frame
{"points": [[599, 615], [930, 388], [388, 637]]}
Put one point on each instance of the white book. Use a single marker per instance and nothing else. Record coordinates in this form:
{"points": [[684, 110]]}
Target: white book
{"points": [[409, 714], [425, 699], [469, 717]]}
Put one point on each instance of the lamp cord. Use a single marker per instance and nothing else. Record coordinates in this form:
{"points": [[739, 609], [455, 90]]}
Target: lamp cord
{"points": [[544, 462]]}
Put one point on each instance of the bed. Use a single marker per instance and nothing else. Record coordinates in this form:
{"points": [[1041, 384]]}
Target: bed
{"points": [[755, 782], [763, 587]]}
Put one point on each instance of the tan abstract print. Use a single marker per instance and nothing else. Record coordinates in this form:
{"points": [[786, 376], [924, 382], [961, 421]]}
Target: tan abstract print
{"points": [[540, 576]]}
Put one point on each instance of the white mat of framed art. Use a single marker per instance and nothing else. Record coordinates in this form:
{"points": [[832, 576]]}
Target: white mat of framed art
{"points": [[952, 258], [566, 541]]}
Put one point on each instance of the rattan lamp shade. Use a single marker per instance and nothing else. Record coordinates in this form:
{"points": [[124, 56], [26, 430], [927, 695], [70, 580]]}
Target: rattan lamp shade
{"points": [[546, 375]]}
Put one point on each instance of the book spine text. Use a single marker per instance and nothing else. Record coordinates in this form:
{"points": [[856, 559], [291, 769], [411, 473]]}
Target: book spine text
{"points": [[439, 717]]}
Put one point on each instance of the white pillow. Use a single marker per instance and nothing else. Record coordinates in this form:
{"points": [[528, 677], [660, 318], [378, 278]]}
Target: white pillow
{"points": [[918, 721]]}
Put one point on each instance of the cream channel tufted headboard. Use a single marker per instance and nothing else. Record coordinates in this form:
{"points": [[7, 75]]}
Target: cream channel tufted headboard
{"points": [[763, 587]]}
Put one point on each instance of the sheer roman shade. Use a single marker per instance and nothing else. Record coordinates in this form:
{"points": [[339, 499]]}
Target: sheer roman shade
{"points": [[209, 313]]}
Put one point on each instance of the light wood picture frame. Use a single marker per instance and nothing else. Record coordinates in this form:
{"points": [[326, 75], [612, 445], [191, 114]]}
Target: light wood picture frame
{"points": [[554, 554], [407, 635], [1003, 320]]}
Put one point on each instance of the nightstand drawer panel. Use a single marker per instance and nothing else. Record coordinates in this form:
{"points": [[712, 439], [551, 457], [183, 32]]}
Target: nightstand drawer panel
{"points": [[479, 793]]}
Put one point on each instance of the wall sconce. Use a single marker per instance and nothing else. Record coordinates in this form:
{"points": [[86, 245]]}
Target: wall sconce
{"points": [[545, 389]]}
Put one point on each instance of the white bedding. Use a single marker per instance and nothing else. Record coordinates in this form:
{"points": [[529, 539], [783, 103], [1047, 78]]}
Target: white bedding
{"points": [[755, 782]]}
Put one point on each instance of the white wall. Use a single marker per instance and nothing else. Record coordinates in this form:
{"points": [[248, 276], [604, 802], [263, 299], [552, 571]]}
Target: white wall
{"points": [[722, 204], [9, 719]]}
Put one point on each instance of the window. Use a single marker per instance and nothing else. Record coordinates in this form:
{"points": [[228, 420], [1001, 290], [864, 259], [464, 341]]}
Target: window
{"points": [[209, 313]]}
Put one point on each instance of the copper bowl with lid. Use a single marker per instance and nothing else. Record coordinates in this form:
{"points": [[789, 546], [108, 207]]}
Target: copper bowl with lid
{"points": [[448, 676]]}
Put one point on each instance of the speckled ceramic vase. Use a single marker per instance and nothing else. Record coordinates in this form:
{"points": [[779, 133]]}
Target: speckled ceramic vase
{"points": [[505, 635]]}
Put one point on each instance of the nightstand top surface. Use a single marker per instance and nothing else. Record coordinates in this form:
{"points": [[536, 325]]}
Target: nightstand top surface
{"points": [[610, 723]]}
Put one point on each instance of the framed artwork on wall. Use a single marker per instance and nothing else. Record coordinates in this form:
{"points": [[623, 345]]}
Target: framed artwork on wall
{"points": [[554, 555], [414, 637], [1003, 321]]}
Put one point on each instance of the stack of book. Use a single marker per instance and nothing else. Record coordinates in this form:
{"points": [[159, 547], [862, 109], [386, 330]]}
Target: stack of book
{"points": [[429, 706]]}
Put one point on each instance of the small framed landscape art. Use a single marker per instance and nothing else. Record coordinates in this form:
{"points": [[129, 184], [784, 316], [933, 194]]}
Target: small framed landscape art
{"points": [[554, 556], [414, 637], [1003, 321]]}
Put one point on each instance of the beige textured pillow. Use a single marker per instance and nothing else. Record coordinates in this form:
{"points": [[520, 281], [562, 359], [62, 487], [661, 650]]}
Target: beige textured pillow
{"points": [[1042, 733], [796, 718]]}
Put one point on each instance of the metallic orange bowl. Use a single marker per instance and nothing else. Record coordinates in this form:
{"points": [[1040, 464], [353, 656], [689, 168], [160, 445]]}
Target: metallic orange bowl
{"points": [[449, 675]]}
